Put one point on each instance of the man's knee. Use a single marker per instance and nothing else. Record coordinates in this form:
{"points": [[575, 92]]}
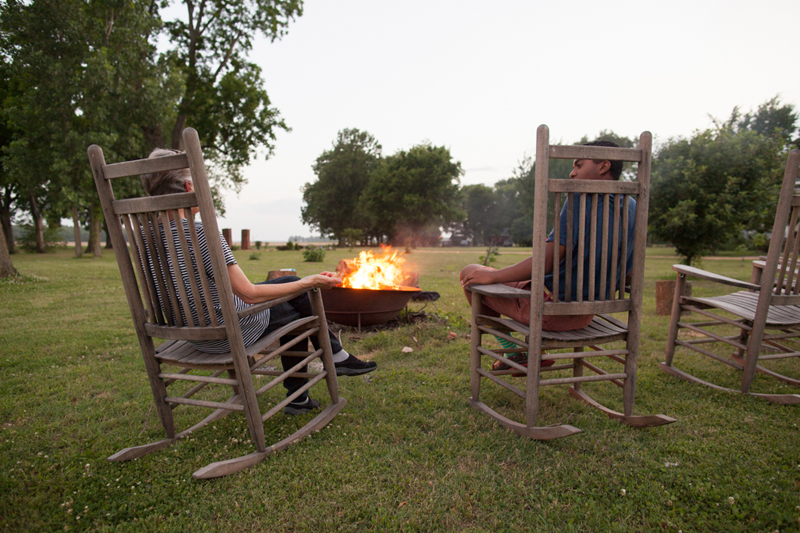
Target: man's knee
{"points": [[469, 269]]}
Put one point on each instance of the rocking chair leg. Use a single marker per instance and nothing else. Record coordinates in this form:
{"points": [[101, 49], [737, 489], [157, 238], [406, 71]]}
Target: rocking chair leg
{"points": [[474, 355], [675, 318]]}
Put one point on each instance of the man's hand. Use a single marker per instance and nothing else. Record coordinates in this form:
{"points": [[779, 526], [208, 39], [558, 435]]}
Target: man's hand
{"points": [[478, 277]]}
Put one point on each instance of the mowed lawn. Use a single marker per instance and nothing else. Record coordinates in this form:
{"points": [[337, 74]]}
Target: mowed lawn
{"points": [[406, 454]]}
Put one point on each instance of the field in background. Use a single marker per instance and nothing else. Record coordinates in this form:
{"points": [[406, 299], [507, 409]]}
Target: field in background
{"points": [[406, 454]]}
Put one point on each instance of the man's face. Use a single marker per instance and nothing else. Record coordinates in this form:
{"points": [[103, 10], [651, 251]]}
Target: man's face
{"points": [[587, 169]]}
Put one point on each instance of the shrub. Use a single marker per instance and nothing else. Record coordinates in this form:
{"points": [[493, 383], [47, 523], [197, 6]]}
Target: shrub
{"points": [[313, 255], [255, 256], [258, 245]]}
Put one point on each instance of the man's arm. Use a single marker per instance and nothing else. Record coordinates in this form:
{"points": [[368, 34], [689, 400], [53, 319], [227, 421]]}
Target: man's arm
{"points": [[253, 294], [517, 272]]}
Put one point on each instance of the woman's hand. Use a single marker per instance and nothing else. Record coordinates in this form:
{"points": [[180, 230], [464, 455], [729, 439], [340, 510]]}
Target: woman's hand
{"points": [[325, 280]]}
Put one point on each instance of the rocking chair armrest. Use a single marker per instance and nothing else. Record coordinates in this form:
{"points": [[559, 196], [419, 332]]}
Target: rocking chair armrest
{"points": [[710, 276], [256, 308], [498, 290]]}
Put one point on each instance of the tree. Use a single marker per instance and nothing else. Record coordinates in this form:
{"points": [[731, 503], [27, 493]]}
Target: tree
{"points": [[224, 97], [412, 190], [343, 172], [770, 119], [709, 188], [6, 267], [480, 203], [94, 65]]}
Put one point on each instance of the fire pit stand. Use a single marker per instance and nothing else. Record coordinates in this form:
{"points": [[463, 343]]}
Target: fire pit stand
{"points": [[365, 307]]}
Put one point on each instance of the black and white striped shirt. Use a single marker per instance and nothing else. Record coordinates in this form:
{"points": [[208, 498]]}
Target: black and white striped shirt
{"points": [[252, 326]]}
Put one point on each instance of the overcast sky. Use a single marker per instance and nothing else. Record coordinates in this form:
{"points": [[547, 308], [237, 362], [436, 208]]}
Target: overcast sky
{"points": [[479, 77]]}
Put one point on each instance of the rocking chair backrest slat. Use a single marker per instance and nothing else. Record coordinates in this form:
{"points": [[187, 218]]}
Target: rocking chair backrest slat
{"points": [[614, 248], [556, 238], [624, 252], [208, 304], [604, 245], [145, 275], [570, 230], [592, 252], [581, 244], [195, 267], [172, 252], [152, 245]]}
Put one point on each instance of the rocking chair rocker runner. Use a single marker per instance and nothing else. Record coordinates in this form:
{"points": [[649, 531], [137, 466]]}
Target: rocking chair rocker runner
{"points": [[767, 313], [156, 301], [613, 198]]}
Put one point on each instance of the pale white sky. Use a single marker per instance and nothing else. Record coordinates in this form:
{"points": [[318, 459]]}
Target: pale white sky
{"points": [[479, 77]]}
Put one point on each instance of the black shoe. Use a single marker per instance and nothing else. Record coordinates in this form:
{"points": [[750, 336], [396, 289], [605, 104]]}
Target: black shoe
{"points": [[353, 366], [298, 408]]}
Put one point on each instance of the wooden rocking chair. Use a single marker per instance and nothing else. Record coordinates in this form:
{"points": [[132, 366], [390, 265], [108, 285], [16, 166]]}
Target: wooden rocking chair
{"points": [[157, 299], [767, 313], [613, 298]]}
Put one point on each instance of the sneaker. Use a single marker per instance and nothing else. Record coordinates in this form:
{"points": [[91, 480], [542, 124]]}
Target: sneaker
{"points": [[353, 366], [299, 407], [522, 359]]}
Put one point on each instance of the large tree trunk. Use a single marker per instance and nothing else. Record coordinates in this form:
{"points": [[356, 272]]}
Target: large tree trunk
{"points": [[6, 268], [95, 228], [177, 131], [5, 220], [38, 225], [76, 227], [154, 136]]}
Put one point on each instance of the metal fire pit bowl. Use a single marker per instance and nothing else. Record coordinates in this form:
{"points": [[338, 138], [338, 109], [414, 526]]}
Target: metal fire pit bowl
{"points": [[365, 307]]}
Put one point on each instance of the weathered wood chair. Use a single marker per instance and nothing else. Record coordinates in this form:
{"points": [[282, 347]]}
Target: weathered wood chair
{"points": [[157, 299], [767, 313], [610, 298]]}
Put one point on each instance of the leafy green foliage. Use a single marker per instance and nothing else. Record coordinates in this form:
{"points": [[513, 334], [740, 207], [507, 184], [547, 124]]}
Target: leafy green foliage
{"points": [[481, 205], [490, 257], [333, 203], [413, 189], [352, 236], [313, 254], [224, 96], [709, 188]]}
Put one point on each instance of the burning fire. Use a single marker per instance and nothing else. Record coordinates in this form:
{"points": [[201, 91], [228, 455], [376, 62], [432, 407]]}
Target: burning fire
{"points": [[368, 271]]}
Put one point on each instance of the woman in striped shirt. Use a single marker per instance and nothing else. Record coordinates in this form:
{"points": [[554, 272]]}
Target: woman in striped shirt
{"points": [[260, 324]]}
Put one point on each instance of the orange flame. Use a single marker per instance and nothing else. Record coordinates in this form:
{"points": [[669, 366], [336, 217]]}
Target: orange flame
{"points": [[368, 271]]}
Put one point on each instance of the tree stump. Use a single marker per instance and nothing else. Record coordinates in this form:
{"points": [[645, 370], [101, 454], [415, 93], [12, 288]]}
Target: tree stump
{"points": [[228, 234], [245, 239], [274, 274], [665, 294]]}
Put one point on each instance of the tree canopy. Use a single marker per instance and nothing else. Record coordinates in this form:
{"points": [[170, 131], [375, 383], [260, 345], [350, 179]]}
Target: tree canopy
{"points": [[96, 66], [333, 202], [414, 189], [224, 96], [711, 187]]}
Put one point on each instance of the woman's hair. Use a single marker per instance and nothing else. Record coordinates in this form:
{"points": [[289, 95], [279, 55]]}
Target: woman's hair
{"points": [[169, 182]]}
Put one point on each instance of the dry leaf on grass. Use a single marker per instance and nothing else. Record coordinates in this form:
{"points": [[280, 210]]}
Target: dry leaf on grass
{"points": [[407, 349]]}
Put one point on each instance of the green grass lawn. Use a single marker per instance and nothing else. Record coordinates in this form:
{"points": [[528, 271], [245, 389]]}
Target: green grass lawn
{"points": [[406, 454]]}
